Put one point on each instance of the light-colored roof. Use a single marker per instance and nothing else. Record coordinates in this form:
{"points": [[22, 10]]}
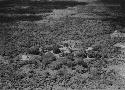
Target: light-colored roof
{"points": [[121, 45], [89, 48], [65, 50], [73, 44], [117, 33], [25, 57]]}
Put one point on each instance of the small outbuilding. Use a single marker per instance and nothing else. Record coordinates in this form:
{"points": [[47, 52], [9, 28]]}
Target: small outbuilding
{"points": [[117, 33], [121, 48]]}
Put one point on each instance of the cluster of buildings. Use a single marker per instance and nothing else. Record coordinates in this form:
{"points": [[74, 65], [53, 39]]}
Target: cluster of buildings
{"points": [[59, 51]]}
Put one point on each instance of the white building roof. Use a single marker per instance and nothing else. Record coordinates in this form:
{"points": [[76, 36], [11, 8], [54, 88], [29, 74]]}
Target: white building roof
{"points": [[121, 45], [116, 33], [73, 44], [89, 48]]}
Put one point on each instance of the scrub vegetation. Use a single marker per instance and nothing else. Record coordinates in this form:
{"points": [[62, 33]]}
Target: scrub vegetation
{"points": [[35, 56]]}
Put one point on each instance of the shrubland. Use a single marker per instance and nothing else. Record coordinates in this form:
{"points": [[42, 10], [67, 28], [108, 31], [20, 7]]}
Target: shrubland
{"points": [[45, 70]]}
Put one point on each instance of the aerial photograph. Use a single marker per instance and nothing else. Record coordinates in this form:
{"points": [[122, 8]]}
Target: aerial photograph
{"points": [[62, 44]]}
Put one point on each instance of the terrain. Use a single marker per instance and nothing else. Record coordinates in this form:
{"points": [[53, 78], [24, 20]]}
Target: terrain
{"points": [[92, 24]]}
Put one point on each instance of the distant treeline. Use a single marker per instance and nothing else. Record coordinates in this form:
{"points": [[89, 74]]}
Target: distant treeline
{"points": [[39, 2], [120, 2]]}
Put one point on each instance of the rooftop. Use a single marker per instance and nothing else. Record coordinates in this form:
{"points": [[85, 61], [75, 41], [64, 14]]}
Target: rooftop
{"points": [[121, 45], [117, 33]]}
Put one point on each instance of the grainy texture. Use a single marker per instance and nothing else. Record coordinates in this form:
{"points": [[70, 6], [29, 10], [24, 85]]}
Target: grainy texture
{"points": [[33, 57]]}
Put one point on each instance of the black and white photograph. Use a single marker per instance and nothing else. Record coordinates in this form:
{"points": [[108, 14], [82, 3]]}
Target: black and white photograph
{"points": [[62, 44]]}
